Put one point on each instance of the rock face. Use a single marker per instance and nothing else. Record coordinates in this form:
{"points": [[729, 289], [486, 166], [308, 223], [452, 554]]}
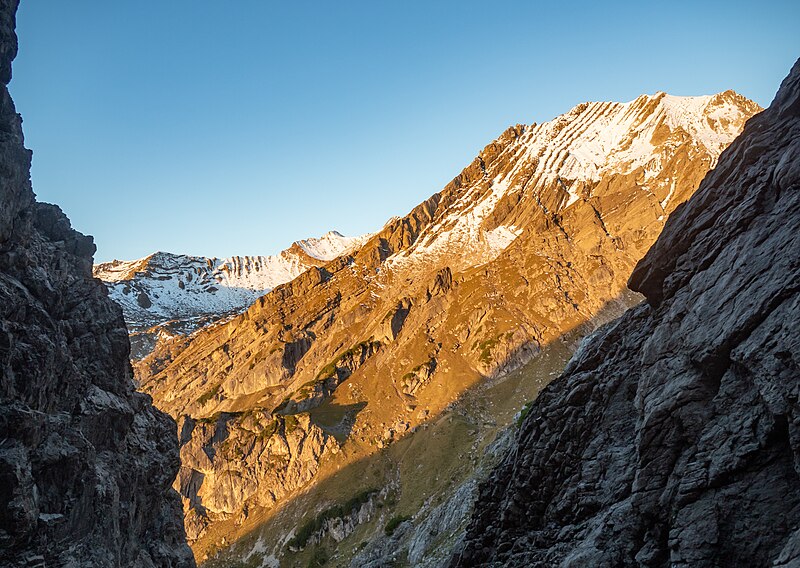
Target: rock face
{"points": [[164, 295], [86, 463], [673, 436], [532, 243], [247, 457]]}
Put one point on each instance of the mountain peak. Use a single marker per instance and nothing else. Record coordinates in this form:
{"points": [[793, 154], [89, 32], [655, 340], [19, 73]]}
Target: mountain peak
{"points": [[191, 291], [563, 161], [669, 438], [330, 245]]}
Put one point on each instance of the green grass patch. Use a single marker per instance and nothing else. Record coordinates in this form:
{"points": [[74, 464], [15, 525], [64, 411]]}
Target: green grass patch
{"points": [[255, 562], [524, 412], [429, 363], [269, 431], [395, 522], [209, 419], [486, 350], [329, 370], [318, 558], [208, 395], [290, 423]]}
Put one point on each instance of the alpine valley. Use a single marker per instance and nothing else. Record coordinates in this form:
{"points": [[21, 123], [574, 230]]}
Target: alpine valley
{"points": [[349, 413], [582, 351]]}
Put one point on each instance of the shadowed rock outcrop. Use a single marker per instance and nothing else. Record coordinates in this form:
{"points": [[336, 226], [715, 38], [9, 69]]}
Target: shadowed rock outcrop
{"points": [[86, 463], [672, 438]]}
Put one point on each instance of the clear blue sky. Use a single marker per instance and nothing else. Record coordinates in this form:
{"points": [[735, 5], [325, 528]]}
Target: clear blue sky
{"points": [[220, 128]]}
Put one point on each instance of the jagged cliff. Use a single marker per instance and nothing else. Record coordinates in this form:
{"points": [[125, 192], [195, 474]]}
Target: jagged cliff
{"points": [[672, 437], [164, 294], [86, 463], [530, 246]]}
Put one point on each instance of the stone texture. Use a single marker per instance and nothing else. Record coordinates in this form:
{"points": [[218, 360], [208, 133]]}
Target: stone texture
{"points": [[86, 463], [673, 436], [427, 539], [249, 457]]}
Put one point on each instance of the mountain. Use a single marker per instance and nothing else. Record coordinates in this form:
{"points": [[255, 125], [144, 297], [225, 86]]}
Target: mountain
{"points": [[671, 439], [334, 378], [167, 294], [86, 462]]}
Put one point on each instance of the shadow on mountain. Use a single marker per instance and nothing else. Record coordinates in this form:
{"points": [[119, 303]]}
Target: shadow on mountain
{"points": [[421, 469]]}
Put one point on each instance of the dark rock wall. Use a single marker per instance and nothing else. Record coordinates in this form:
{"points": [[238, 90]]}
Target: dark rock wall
{"points": [[673, 436], [86, 463]]}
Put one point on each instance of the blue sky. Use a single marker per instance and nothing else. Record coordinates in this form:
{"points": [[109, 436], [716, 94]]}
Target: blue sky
{"points": [[221, 128]]}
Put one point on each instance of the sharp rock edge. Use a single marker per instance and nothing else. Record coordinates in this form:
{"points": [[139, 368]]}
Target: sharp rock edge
{"points": [[86, 463]]}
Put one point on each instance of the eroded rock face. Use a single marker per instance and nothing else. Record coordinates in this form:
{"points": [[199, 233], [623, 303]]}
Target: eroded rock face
{"points": [[248, 457], [672, 437], [86, 463]]}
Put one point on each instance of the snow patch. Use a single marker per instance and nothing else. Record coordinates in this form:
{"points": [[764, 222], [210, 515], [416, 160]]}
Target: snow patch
{"points": [[500, 237], [165, 286], [331, 245], [460, 232]]}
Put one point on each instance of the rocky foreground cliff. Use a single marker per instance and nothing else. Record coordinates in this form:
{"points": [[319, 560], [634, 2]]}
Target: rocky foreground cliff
{"points": [[86, 462], [673, 436]]}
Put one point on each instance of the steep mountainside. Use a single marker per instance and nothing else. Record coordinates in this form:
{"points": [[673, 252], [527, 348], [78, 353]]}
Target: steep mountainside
{"points": [[86, 462], [672, 437], [529, 246], [167, 294]]}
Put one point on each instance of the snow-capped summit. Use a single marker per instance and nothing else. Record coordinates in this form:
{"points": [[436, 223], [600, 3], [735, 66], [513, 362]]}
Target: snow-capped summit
{"points": [[569, 159], [330, 245], [192, 290]]}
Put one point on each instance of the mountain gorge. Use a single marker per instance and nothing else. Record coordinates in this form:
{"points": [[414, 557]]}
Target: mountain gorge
{"points": [[582, 351], [498, 275], [671, 438]]}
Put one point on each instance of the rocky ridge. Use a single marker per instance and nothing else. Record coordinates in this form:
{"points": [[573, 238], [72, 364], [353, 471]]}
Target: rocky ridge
{"points": [[214, 477], [530, 245], [671, 439], [86, 462], [165, 294]]}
